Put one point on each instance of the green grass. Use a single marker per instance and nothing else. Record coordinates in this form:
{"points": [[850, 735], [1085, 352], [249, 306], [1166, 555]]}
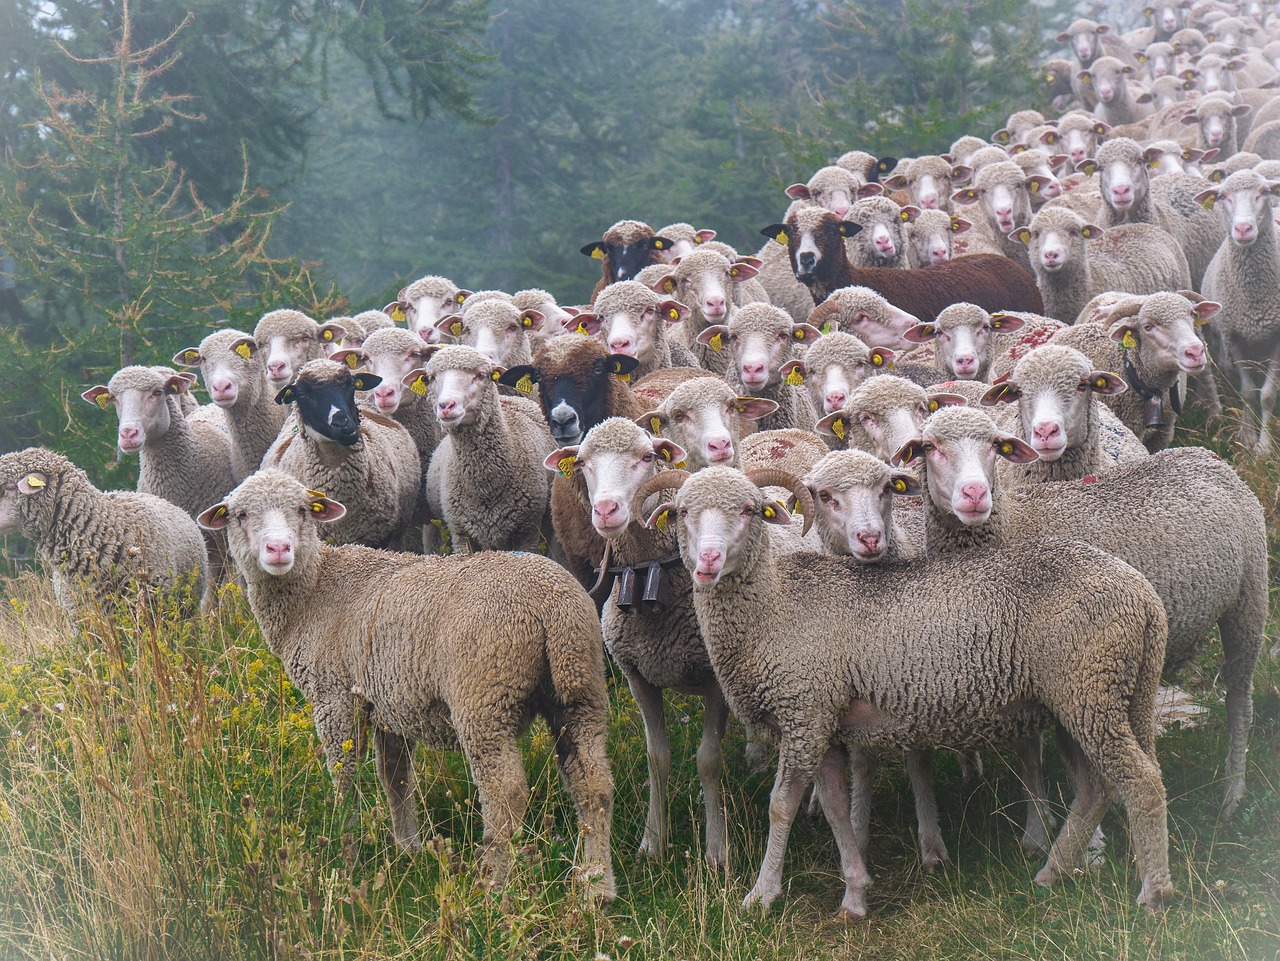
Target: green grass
{"points": [[161, 797]]}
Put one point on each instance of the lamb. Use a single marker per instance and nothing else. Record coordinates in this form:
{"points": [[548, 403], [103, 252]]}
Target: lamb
{"points": [[289, 338], [814, 242], [685, 239], [415, 651], [760, 339], [704, 416], [929, 180], [231, 364], [495, 328], [1130, 196], [367, 459], [626, 247], [1015, 129], [1003, 196], [486, 475], [772, 624], [1150, 341], [1074, 260], [424, 302], [883, 413], [1217, 117], [1059, 415], [1244, 277], [865, 314], [855, 496], [930, 237], [1183, 518], [1117, 101], [882, 241], [114, 540], [833, 366], [633, 320]]}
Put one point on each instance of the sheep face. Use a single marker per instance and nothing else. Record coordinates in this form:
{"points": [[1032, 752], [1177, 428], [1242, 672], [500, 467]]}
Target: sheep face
{"points": [[390, 356], [881, 415], [1163, 333], [931, 236], [1078, 135], [1214, 75], [833, 188], [270, 520], [1057, 240], [854, 495], [141, 398], [325, 399], [495, 329], [1108, 77], [427, 300], [289, 339], [862, 312], [811, 239], [1001, 193], [883, 233], [16, 485], [1245, 199], [963, 336], [615, 459], [1165, 17], [628, 252], [761, 338], [1160, 59], [230, 363], [835, 366], [1124, 177], [1083, 37], [629, 317], [1054, 388], [704, 280], [701, 416], [959, 447], [573, 379], [1216, 118]]}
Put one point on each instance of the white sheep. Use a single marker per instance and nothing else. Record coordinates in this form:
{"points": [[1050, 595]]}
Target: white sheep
{"points": [[288, 339]]}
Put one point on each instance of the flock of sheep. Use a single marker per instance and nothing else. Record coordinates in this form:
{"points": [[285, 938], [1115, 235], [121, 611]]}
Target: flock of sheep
{"points": [[896, 483]]}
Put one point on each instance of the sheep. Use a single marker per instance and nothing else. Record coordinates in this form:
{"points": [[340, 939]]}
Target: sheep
{"points": [[1188, 42], [857, 515], [865, 314], [289, 338], [833, 366], [930, 237], [414, 650], [882, 241], [684, 240], [1042, 182], [648, 622], [1003, 196], [424, 302], [1244, 277], [964, 339], [712, 280], [1015, 129], [1057, 79], [866, 167], [883, 413], [963, 150], [1087, 42], [1264, 140], [771, 625], [814, 242], [556, 320], [231, 364], [356, 329], [1161, 59], [778, 277], [495, 328], [929, 181], [367, 459], [1162, 94], [836, 188], [704, 416], [114, 540], [1117, 101], [760, 339], [1059, 415], [1150, 340], [1216, 116], [625, 248], [485, 476], [1074, 260], [1077, 135], [633, 320], [1130, 196], [1183, 518]]}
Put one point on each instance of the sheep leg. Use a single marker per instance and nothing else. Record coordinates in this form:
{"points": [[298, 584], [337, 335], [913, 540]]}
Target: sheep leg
{"points": [[1242, 632], [833, 789], [335, 720], [788, 792], [862, 771], [933, 851], [658, 754], [1248, 398], [715, 718], [1087, 807], [498, 771], [1266, 399], [584, 766], [1040, 821], [395, 770]]}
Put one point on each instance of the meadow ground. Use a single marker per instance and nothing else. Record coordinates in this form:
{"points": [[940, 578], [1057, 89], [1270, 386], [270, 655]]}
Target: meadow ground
{"points": [[161, 797]]}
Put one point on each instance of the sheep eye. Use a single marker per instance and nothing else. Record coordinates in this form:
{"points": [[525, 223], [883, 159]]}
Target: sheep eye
{"points": [[242, 516], [824, 496], [1148, 327], [679, 417], [648, 456], [512, 328]]}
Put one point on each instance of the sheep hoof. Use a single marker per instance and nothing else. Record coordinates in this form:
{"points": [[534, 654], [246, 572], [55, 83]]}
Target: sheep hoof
{"points": [[651, 847], [717, 856], [1048, 876], [1155, 898], [932, 860], [850, 915], [759, 898], [1231, 800]]}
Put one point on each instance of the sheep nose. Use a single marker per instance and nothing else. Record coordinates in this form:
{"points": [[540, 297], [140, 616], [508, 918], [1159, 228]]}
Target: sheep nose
{"points": [[1243, 231], [129, 435], [885, 245], [841, 210], [1077, 154], [929, 203], [446, 407], [1050, 256], [975, 492], [1195, 355], [966, 361], [278, 552], [620, 345], [605, 510], [720, 449], [1045, 432], [834, 400], [710, 555], [713, 305], [1004, 213], [938, 254], [807, 260], [566, 416], [752, 369], [277, 367], [871, 542]]}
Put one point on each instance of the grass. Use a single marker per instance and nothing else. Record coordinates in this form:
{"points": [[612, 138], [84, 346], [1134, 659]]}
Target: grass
{"points": [[161, 797]]}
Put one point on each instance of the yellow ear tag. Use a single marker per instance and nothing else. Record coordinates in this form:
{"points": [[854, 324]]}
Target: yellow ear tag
{"points": [[459, 297], [598, 254], [678, 465], [768, 512], [1086, 79], [419, 385], [317, 507], [352, 361], [243, 350], [781, 237], [795, 378], [1049, 78], [396, 314], [904, 216], [326, 334], [1208, 202], [1100, 383], [933, 406], [658, 244], [581, 329], [798, 334], [1128, 341], [565, 465], [524, 384], [877, 358], [103, 400], [1086, 233], [661, 521], [668, 287], [1006, 448], [34, 481], [837, 427], [900, 485], [456, 328], [673, 314], [311, 493], [1035, 186], [494, 375], [715, 343], [625, 378], [526, 321], [655, 425]]}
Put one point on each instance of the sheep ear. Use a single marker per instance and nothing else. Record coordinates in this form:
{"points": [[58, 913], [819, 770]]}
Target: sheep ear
{"points": [[1091, 232], [882, 357], [713, 337], [667, 285], [1007, 323], [661, 517], [522, 377], [178, 384], [702, 236], [1057, 161], [750, 261], [778, 232], [562, 461], [1190, 120], [1087, 167], [1037, 181], [921, 334], [531, 319], [597, 250], [774, 513], [848, 228], [904, 485], [1001, 136], [1207, 198], [659, 243], [1104, 28], [1015, 450], [365, 381], [883, 166], [909, 213], [870, 190], [214, 518], [1125, 335], [652, 422], [1241, 110], [288, 394], [1085, 77], [803, 333], [960, 173], [353, 357], [1102, 128], [673, 311], [670, 452], [415, 381], [325, 509], [742, 271], [1145, 97], [909, 453], [959, 225], [621, 365], [792, 372], [245, 347], [1005, 393], [189, 357], [799, 192], [33, 483], [587, 324], [332, 333], [397, 310], [1204, 310], [938, 401], [965, 197], [833, 424], [1022, 235], [1104, 382], [896, 182], [98, 395], [753, 408]]}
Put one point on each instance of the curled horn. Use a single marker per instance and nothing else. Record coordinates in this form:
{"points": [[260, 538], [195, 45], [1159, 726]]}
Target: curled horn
{"points": [[825, 311], [1124, 308], [773, 477], [1192, 296], [663, 480]]}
